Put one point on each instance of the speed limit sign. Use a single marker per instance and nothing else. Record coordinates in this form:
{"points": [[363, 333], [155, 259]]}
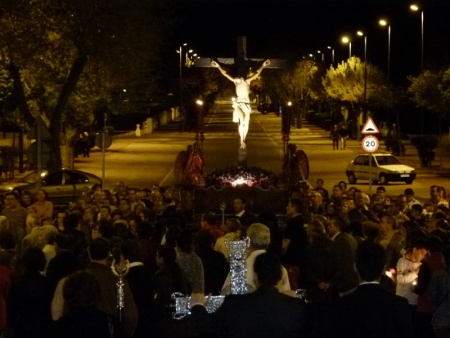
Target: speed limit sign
{"points": [[370, 144]]}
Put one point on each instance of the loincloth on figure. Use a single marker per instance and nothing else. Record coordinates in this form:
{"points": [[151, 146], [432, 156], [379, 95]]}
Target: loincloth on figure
{"points": [[240, 110]]}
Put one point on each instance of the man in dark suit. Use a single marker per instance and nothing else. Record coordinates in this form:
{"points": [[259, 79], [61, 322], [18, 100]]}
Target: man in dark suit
{"points": [[370, 311], [263, 313], [245, 217], [343, 248]]}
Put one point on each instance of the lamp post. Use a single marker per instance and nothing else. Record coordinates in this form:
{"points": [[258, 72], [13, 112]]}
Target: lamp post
{"points": [[360, 33], [346, 39], [181, 110], [332, 54], [383, 23], [322, 56], [416, 8]]}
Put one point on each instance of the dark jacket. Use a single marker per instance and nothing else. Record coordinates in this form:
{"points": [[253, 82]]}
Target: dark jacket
{"points": [[263, 313], [371, 312]]}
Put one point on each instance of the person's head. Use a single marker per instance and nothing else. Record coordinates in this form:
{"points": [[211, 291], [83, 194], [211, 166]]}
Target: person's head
{"points": [[99, 250], [335, 225], [370, 261], [208, 218], [319, 183], [71, 222], [416, 210], [381, 191], [343, 185], [204, 239], [41, 195], [130, 249], [409, 194], [337, 191], [434, 243], [239, 204], [185, 241], [294, 207], [63, 242], [267, 268], [418, 250], [435, 193], [124, 204], [7, 240], [33, 260], [12, 200], [27, 198], [166, 256], [81, 290], [232, 224], [259, 235], [388, 223]]}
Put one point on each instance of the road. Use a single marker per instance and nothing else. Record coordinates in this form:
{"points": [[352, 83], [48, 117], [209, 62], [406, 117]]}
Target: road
{"points": [[149, 159]]}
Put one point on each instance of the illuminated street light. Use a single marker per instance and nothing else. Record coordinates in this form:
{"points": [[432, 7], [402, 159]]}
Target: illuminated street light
{"points": [[384, 23], [416, 8], [346, 39], [322, 56], [332, 54], [361, 33]]}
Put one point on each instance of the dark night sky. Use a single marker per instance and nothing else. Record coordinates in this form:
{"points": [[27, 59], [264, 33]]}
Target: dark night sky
{"points": [[292, 29]]}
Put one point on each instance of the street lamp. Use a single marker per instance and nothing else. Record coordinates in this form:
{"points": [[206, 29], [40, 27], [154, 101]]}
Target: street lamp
{"points": [[181, 109], [416, 8], [346, 39], [360, 33], [322, 56], [332, 54], [384, 23]]}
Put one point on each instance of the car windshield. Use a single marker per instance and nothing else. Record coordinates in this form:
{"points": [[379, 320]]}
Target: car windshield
{"points": [[387, 160], [31, 178]]}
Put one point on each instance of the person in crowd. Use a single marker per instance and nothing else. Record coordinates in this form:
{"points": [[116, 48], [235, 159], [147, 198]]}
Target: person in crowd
{"points": [[295, 240], [78, 238], [362, 211], [370, 301], [407, 273], [100, 268], [8, 246], [263, 313], [142, 286], [315, 202], [440, 295], [259, 235], [65, 262], [169, 279], [58, 222], [43, 207], [436, 199], [215, 265], [189, 262], [27, 199], [16, 215], [320, 189], [208, 222], [343, 248], [245, 217], [317, 271], [276, 235], [30, 297], [334, 135], [82, 318], [390, 239], [233, 232]]}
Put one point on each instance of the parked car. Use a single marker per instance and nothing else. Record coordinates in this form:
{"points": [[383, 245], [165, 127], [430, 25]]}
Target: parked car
{"points": [[385, 168], [62, 186], [265, 108]]}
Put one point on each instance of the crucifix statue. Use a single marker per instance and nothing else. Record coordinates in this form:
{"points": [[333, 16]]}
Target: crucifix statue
{"points": [[241, 105]]}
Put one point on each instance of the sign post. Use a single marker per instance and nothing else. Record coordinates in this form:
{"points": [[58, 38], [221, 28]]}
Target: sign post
{"points": [[370, 145]]}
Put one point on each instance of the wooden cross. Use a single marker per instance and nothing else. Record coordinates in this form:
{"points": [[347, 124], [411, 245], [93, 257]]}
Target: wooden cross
{"points": [[241, 62]]}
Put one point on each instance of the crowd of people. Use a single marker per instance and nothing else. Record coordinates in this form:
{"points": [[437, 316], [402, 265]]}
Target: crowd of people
{"points": [[57, 279]]}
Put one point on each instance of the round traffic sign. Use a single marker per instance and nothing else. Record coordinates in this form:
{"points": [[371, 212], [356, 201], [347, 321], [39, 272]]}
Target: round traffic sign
{"points": [[370, 144]]}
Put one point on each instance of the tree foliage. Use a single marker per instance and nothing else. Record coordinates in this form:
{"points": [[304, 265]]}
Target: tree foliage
{"points": [[346, 82], [68, 58], [432, 91]]}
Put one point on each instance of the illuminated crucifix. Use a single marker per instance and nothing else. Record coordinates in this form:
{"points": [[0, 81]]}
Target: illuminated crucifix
{"points": [[241, 105]]}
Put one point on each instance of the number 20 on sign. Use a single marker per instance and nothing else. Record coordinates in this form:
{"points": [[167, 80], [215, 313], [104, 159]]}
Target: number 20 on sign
{"points": [[370, 144]]}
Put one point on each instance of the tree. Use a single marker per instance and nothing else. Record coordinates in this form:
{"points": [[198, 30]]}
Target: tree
{"points": [[68, 58], [355, 86]]}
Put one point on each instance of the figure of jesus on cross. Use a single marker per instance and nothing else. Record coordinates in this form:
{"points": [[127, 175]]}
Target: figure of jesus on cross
{"points": [[241, 105]]}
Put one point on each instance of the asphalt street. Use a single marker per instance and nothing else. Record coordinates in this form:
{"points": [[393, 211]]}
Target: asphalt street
{"points": [[149, 159]]}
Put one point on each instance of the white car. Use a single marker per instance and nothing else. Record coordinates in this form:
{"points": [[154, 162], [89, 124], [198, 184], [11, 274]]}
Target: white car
{"points": [[385, 168]]}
